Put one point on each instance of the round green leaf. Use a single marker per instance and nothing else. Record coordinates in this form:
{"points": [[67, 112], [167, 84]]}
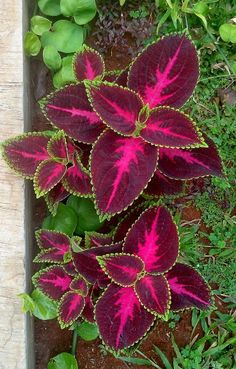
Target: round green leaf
{"points": [[47, 223], [32, 44], [65, 220], [66, 36], [228, 32], [66, 74], [51, 57], [201, 7], [50, 7], [63, 361], [44, 308], [83, 11], [39, 24], [88, 219], [87, 331]]}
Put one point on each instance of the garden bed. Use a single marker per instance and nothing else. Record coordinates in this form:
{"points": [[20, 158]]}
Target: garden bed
{"points": [[49, 339]]}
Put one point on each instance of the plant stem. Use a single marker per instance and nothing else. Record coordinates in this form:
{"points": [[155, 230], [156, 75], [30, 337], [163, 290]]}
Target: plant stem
{"points": [[74, 342]]}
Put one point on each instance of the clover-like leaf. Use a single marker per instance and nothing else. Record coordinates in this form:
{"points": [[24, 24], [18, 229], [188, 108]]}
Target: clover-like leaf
{"points": [[52, 281], [153, 293], [69, 110], [121, 168], [154, 238], [123, 269], [166, 72], [170, 128], [121, 319], [188, 288], [117, 107], [25, 152], [70, 308], [88, 64], [188, 164]]}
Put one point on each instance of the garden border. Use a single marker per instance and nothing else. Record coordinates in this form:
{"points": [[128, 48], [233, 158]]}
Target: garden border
{"points": [[16, 330]]}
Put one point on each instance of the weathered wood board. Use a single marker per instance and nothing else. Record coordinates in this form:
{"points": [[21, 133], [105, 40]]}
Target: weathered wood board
{"points": [[12, 237]]}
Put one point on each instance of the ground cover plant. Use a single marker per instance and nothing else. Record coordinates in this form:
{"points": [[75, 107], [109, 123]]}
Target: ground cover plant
{"points": [[132, 117]]}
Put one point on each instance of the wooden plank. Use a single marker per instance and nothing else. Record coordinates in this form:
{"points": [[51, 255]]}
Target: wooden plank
{"points": [[12, 240]]}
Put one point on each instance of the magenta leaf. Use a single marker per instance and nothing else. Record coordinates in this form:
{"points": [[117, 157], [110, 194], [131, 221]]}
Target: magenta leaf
{"points": [[55, 196], [24, 153], [166, 72], [123, 269], [154, 238], [57, 147], [87, 265], [52, 239], [77, 179], [94, 239], [153, 293], [88, 312], [161, 185], [117, 107], [70, 308], [70, 268], [170, 128], [126, 223], [79, 284], [188, 164], [69, 109], [121, 168], [88, 64], [55, 246], [188, 288], [48, 174], [122, 79], [121, 319], [52, 281]]}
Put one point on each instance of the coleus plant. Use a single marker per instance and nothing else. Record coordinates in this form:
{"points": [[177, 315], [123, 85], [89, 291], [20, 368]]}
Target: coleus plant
{"points": [[140, 277], [140, 140]]}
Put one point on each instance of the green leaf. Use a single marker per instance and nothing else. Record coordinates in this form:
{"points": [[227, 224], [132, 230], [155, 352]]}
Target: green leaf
{"points": [[32, 44], [28, 304], [63, 361], [45, 308], [201, 7], [52, 58], [39, 24], [83, 11], [87, 331], [65, 220], [39, 305], [86, 12], [163, 358], [228, 32], [66, 74], [135, 360], [88, 220], [122, 2], [65, 36], [50, 7]]}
